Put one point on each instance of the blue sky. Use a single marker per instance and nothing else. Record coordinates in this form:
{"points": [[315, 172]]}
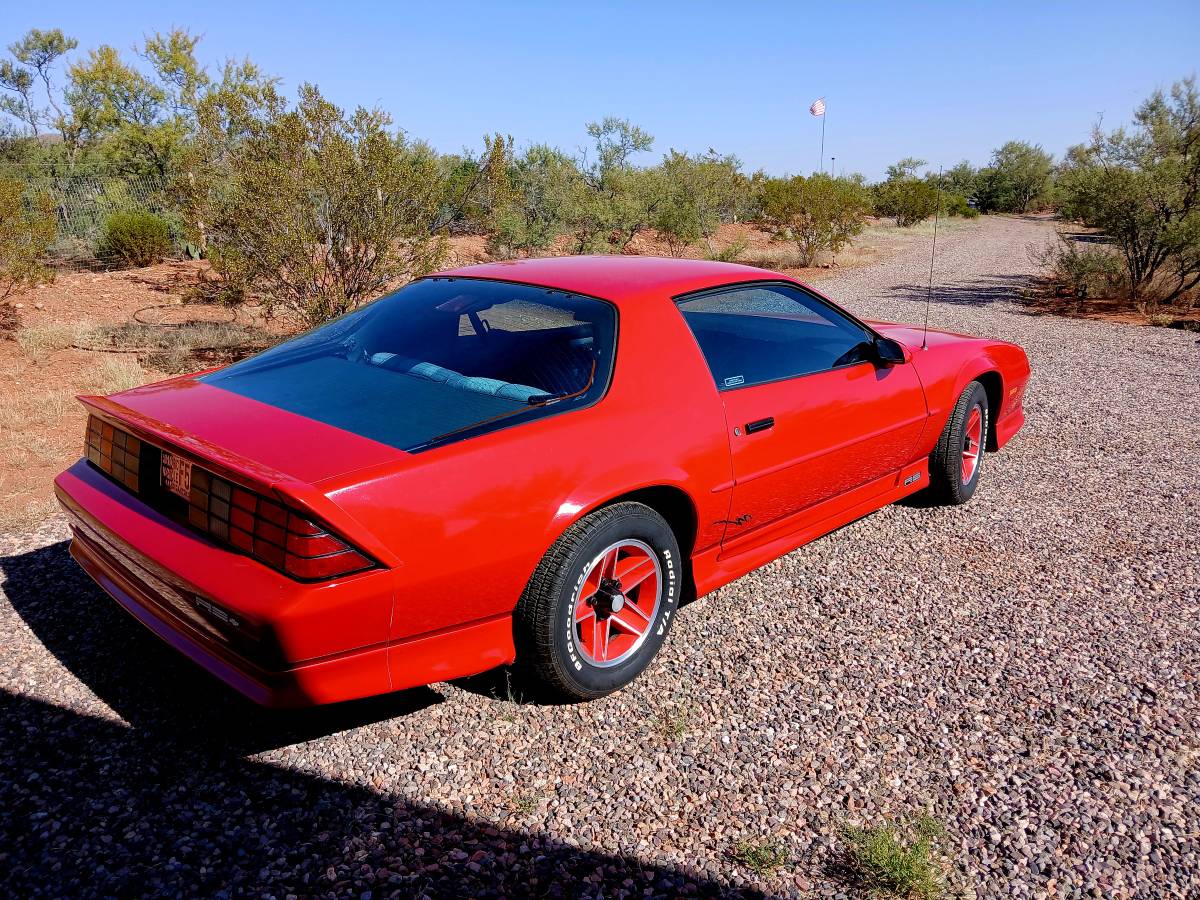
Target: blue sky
{"points": [[941, 81]]}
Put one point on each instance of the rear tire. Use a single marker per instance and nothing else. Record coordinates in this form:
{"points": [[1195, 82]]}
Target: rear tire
{"points": [[957, 460], [600, 603]]}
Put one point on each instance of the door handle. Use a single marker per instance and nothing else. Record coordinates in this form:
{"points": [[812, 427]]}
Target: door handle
{"points": [[760, 425]]}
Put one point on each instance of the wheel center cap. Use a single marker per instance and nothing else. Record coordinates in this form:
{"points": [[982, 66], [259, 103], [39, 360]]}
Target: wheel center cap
{"points": [[609, 598]]}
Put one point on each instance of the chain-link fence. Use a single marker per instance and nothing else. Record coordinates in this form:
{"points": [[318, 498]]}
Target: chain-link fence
{"points": [[82, 203]]}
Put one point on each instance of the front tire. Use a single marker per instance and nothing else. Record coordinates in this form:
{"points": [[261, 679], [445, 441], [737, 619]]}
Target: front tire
{"points": [[957, 460], [600, 603]]}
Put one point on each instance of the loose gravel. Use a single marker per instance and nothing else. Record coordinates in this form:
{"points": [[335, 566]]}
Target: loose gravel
{"points": [[1024, 667]]}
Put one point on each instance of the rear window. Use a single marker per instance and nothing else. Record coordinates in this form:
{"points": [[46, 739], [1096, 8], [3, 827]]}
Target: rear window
{"points": [[439, 360]]}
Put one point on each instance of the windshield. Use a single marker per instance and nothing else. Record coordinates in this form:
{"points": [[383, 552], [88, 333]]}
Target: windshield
{"points": [[439, 359]]}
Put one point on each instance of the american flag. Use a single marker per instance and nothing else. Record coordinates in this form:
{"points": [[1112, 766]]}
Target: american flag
{"points": [[818, 107]]}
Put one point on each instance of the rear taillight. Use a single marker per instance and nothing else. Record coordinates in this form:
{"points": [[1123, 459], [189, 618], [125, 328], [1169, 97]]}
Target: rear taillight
{"points": [[113, 452], [268, 531]]}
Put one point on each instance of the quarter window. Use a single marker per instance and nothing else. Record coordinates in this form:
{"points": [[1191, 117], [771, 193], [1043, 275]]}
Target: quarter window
{"points": [[752, 334]]}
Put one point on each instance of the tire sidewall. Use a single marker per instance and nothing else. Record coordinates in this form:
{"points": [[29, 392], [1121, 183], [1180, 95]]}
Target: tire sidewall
{"points": [[978, 399], [595, 681]]}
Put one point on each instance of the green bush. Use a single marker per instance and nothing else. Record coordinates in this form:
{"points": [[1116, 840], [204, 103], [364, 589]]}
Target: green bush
{"points": [[698, 194], [956, 205], [1141, 187], [731, 253], [134, 238], [895, 859], [26, 232], [544, 183], [360, 204], [906, 199], [816, 213], [1076, 271]]}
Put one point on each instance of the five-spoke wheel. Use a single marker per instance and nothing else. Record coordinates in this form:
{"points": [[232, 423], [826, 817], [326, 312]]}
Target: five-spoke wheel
{"points": [[617, 602], [599, 606]]}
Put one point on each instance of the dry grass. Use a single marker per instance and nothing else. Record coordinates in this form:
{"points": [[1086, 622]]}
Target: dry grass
{"points": [[23, 411], [39, 340], [28, 515], [29, 449], [776, 260], [888, 228], [672, 726], [189, 336], [117, 373], [182, 348]]}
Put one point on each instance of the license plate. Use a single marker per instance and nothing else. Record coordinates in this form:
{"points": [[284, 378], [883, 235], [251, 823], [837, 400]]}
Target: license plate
{"points": [[177, 475]]}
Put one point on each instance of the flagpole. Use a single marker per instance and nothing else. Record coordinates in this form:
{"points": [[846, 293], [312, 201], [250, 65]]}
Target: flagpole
{"points": [[823, 115]]}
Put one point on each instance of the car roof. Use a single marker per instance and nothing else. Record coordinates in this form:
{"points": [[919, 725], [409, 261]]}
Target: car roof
{"points": [[620, 279]]}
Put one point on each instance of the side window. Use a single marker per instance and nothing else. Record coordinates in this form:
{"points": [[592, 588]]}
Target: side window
{"points": [[752, 334]]}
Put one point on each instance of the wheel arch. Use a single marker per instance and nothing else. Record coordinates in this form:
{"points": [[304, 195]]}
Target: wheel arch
{"points": [[993, 385], [676, 506]]}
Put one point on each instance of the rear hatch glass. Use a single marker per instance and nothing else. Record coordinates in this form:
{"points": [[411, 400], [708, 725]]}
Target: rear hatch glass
{"points": [[439, 360]]}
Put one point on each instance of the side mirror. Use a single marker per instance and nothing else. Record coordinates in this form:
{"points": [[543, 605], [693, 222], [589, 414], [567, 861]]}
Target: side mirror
{"points": [[891, 353]]}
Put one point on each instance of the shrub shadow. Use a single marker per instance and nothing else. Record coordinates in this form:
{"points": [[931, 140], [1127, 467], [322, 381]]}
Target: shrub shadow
{"points": [[980, 291]]}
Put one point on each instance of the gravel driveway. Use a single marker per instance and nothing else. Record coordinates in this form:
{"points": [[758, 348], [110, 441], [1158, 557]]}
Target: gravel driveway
{"points": [[1025, 667]]}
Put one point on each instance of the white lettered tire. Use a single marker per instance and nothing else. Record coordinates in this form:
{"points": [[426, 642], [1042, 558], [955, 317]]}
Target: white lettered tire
{"points": [[601, 602]]}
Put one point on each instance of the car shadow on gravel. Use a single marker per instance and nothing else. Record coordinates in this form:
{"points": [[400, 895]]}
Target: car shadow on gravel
{"points": [[169, 804], [92, 808], [151, 686], [982, 291]]}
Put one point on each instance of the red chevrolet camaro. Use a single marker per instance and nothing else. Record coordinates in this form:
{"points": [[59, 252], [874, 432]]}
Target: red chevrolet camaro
{"points": [[533, 461]]}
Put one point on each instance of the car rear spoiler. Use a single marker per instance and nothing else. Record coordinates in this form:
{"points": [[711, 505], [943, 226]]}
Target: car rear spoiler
{"points": [[300, 495]]}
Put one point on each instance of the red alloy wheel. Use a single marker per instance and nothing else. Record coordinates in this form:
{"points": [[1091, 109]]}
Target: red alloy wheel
{"points": [[972, 444], [618, 600]]}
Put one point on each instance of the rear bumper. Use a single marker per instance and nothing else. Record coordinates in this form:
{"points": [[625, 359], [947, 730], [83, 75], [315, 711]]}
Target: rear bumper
{"points": [[278, 642], [167, 604], [277, 689]]}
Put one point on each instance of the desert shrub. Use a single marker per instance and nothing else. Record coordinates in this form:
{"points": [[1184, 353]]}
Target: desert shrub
{"points": [[956, 205], [544, 183], [1079, 271], [616, 199], [907, 199], [698, 193], [816, 213], [360, 204], [961, 178], [1142, 189], [27, 228], [134, 238], [1020, 176], [677, 220], [731, 253], [473, 188]]}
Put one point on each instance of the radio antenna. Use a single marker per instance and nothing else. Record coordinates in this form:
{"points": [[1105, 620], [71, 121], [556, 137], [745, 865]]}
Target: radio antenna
{"points": [[932, 256]]}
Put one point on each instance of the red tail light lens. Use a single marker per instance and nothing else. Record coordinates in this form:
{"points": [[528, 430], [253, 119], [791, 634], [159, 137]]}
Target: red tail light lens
{"points": [[113, 452], [268, 531]]}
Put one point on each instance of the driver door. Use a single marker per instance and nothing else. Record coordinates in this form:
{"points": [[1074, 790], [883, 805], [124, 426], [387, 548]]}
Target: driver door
{"points": [[811, 413]]}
